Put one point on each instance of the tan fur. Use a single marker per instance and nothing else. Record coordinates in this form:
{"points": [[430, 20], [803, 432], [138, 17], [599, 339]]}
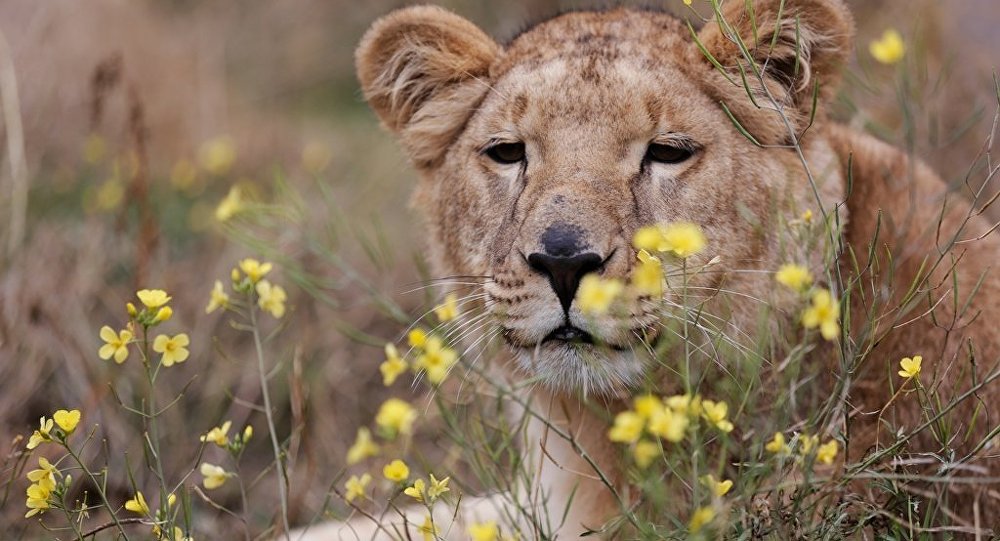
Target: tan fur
{"points": [[587, 92]]}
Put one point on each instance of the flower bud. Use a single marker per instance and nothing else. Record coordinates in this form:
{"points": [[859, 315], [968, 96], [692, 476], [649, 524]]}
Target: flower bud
{"points": [[163, 314], [235, 276], [132, 312], [247, 433]]}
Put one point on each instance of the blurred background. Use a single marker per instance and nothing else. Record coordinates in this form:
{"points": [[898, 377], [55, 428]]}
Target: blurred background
{"points": [[127, 122]]}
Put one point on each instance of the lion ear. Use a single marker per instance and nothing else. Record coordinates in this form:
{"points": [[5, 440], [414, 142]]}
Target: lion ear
{"points": [[423, 70], [798, 46]]}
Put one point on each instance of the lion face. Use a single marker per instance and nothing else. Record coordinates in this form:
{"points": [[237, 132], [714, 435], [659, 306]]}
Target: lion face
{"points": [[540, 160]]}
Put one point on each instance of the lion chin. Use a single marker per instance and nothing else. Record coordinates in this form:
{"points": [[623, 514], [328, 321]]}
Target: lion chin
{"points": [[583, 367]]}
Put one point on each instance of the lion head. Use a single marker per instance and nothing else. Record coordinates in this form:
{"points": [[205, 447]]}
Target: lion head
{"points": [[540, 158]]}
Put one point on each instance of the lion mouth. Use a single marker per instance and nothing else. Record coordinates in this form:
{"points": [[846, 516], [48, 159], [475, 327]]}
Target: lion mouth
{"points": [[569, 334], [566, 335]]}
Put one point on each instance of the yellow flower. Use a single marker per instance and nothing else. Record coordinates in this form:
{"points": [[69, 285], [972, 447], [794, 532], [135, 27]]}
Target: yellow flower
{"points": [[794, 277], [109, 195], [595, 294], [356, 486], [647, 405], [824, 313], [669, 424], [645, 452], [393, 366], [888, 49], [649, 239], [183, 175], [363, 447], [174, 349], [255, 270], [316, 157], [163, 314], [687, 2], [41, 435], [647, 278], [428, 529], [777, 445], [448, 310], [715, 413], [718, 488], [436, 360], [271, 298], [213, 476], [438, 487], [685, 404], [416, 491], [38, 500], [807, 216], [807, 444], [396, 416], [701, 518], [230, 205], [45, 475], [94, 149], [417, 338], [218, 298], [910, 368], [484, 531], [827, 452], [115, 344], [138, 504], [153, 298], [217, 155], [67, 420], [627, 428], [396, 471], [683, 239], [218, 435]]}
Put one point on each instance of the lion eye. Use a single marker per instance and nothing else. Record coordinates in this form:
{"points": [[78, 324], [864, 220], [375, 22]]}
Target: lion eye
{"points": [[506, 153], [667, 154]]}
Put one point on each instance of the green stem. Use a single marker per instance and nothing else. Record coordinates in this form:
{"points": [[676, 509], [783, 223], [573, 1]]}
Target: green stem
{"points": [[282, 475], [100, 490], [69, 518], [153, 430]]}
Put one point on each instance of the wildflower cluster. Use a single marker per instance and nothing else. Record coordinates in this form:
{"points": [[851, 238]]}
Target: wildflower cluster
{"points": [[154, 311], [430, 355], [823, 310], [45, 491], [807, 446], [668, 419], [653, 244], [248, 279]]}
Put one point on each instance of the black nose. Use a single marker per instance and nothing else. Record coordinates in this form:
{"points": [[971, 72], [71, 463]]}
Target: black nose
{"points": [[565, 272]]}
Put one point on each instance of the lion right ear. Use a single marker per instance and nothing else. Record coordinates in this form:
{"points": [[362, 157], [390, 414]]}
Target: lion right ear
{"points": [[423, 70]]}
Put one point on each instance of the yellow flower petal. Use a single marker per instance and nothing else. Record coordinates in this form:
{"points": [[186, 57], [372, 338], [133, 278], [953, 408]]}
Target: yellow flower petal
{"points": [[396, 471], [67, 420], [889, 49], [153, 298]]}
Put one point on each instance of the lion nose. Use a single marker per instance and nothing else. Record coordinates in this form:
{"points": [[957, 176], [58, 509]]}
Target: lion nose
{"points": [[565, 272]]}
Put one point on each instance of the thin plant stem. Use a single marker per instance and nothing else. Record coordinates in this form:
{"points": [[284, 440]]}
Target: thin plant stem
{"points": [[272, 431], [100, 490], [153, 439]]}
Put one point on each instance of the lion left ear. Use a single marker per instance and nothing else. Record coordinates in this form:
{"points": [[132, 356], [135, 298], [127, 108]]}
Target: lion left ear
{"points": [[798, 46]]}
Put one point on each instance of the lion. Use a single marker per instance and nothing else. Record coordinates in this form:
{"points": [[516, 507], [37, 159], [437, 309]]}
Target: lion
{"points": [[540, 158]]}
